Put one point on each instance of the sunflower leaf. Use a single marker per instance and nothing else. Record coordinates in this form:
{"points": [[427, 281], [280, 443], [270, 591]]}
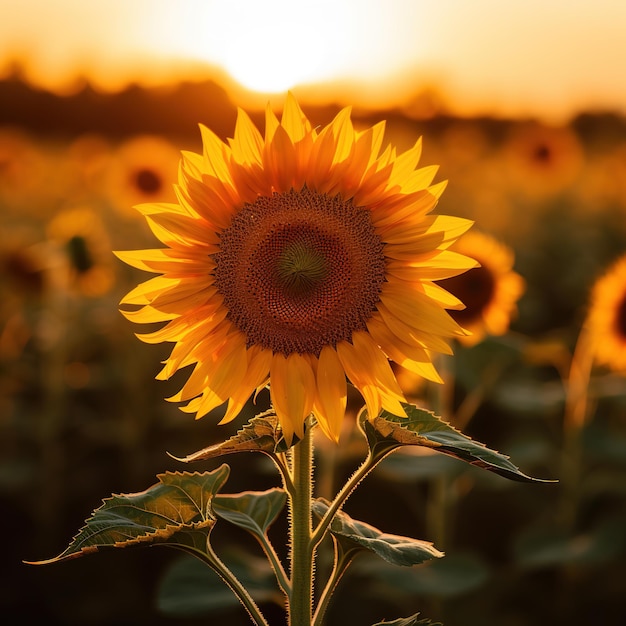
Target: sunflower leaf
{"points": [[409, 621], [176, 512], [354, 536], [387, 432], [254, 511], [261, 434]]}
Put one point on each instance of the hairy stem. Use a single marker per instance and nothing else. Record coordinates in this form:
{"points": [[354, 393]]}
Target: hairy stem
{"points": [[368, 465], [301, 600], [235, 586], [339, 568]]}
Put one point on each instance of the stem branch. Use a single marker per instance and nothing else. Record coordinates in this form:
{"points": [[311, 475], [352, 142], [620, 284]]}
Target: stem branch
{"points": [[235, 586], [366, 467]]}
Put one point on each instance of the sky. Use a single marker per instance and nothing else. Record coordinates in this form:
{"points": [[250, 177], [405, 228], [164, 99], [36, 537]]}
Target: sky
{"points": [[516, 58]]}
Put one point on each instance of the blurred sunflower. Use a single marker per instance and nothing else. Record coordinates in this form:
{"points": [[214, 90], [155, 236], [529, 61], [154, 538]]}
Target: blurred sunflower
{"points": [[22, 263], [606, 320], [141, 170], [22, 283], [82, 240], [88, 158], [490, 292], [24, 173], [541, 161], [299, 259]]}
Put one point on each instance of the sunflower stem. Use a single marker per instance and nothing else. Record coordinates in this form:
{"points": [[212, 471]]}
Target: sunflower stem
{"points": [[577, 413], [339, 568], [301, 600], [235, 586], [365, 468]]}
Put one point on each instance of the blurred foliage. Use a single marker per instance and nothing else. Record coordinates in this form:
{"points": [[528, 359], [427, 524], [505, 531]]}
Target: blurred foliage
{"points": [[82, 417]]}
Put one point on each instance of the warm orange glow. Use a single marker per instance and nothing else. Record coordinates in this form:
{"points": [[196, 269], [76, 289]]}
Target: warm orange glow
{"points": [[482, 56], [265, 48]]}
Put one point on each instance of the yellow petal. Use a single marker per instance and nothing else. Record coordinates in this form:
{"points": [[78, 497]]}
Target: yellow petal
{"points": [[439, 294], [418, 310], [411, 335], [247, 144], [294, 121], [279, 161], [435, 265], [257, 374], [148, 314], [271, 124], [405, 165], [420, 179], [206, 199], [332, 392], [216, 155], [412, 357], [353, 366], [292, 390]]}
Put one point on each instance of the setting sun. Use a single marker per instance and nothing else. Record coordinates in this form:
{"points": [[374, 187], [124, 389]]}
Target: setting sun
{"points": [[483, 57], [276, 45], [263, 46]]}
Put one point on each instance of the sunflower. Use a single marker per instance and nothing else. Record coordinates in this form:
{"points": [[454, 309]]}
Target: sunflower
{"points": [[80, 235], [542, 161], [24, 173], [606, 320], [490, 292], [140, 171], [301, 258]]}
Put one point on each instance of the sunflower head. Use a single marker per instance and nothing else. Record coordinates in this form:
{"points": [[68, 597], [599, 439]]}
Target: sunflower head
{"points": [[82, 239], [490, 291], [541, 161], [142, 170], [606, 320], [304, 259]]}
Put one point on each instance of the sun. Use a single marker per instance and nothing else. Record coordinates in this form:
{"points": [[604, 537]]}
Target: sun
{"points": [[270, 46]]}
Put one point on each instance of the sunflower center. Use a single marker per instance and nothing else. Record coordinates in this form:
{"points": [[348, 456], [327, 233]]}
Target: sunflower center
{"points": [[620, 319], [300, 270], [79, 254], [148, 181], [475, 288]]}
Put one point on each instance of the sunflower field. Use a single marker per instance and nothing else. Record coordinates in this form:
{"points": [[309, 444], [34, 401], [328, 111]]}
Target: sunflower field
{"points": [[542, 377]]}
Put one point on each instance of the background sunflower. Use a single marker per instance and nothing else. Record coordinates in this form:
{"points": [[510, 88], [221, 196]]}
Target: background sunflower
{"points": [[606, 320], [490, 292]]}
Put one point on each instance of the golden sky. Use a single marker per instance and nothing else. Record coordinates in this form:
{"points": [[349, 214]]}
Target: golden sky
{"points": [[550, 58]]}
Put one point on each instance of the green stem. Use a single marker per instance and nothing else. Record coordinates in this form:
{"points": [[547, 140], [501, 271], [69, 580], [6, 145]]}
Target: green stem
{"points": [[577, 414], [282, 466], [277, 566], [233, 583], [341, 565], [367, 466], [301, 600]]}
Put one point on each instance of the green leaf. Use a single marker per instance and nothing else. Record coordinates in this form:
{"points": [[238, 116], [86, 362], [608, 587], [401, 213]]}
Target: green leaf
{"points": [[255, 511], [457, 574], [387, 432], [175, 512], [261, 434], [353, 535], [409, 621], [549, 546], [408, 464], [189, 588]]}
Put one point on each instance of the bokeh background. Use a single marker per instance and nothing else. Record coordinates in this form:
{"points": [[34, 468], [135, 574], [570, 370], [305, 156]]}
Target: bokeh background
{"points": [[523, 105]]}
